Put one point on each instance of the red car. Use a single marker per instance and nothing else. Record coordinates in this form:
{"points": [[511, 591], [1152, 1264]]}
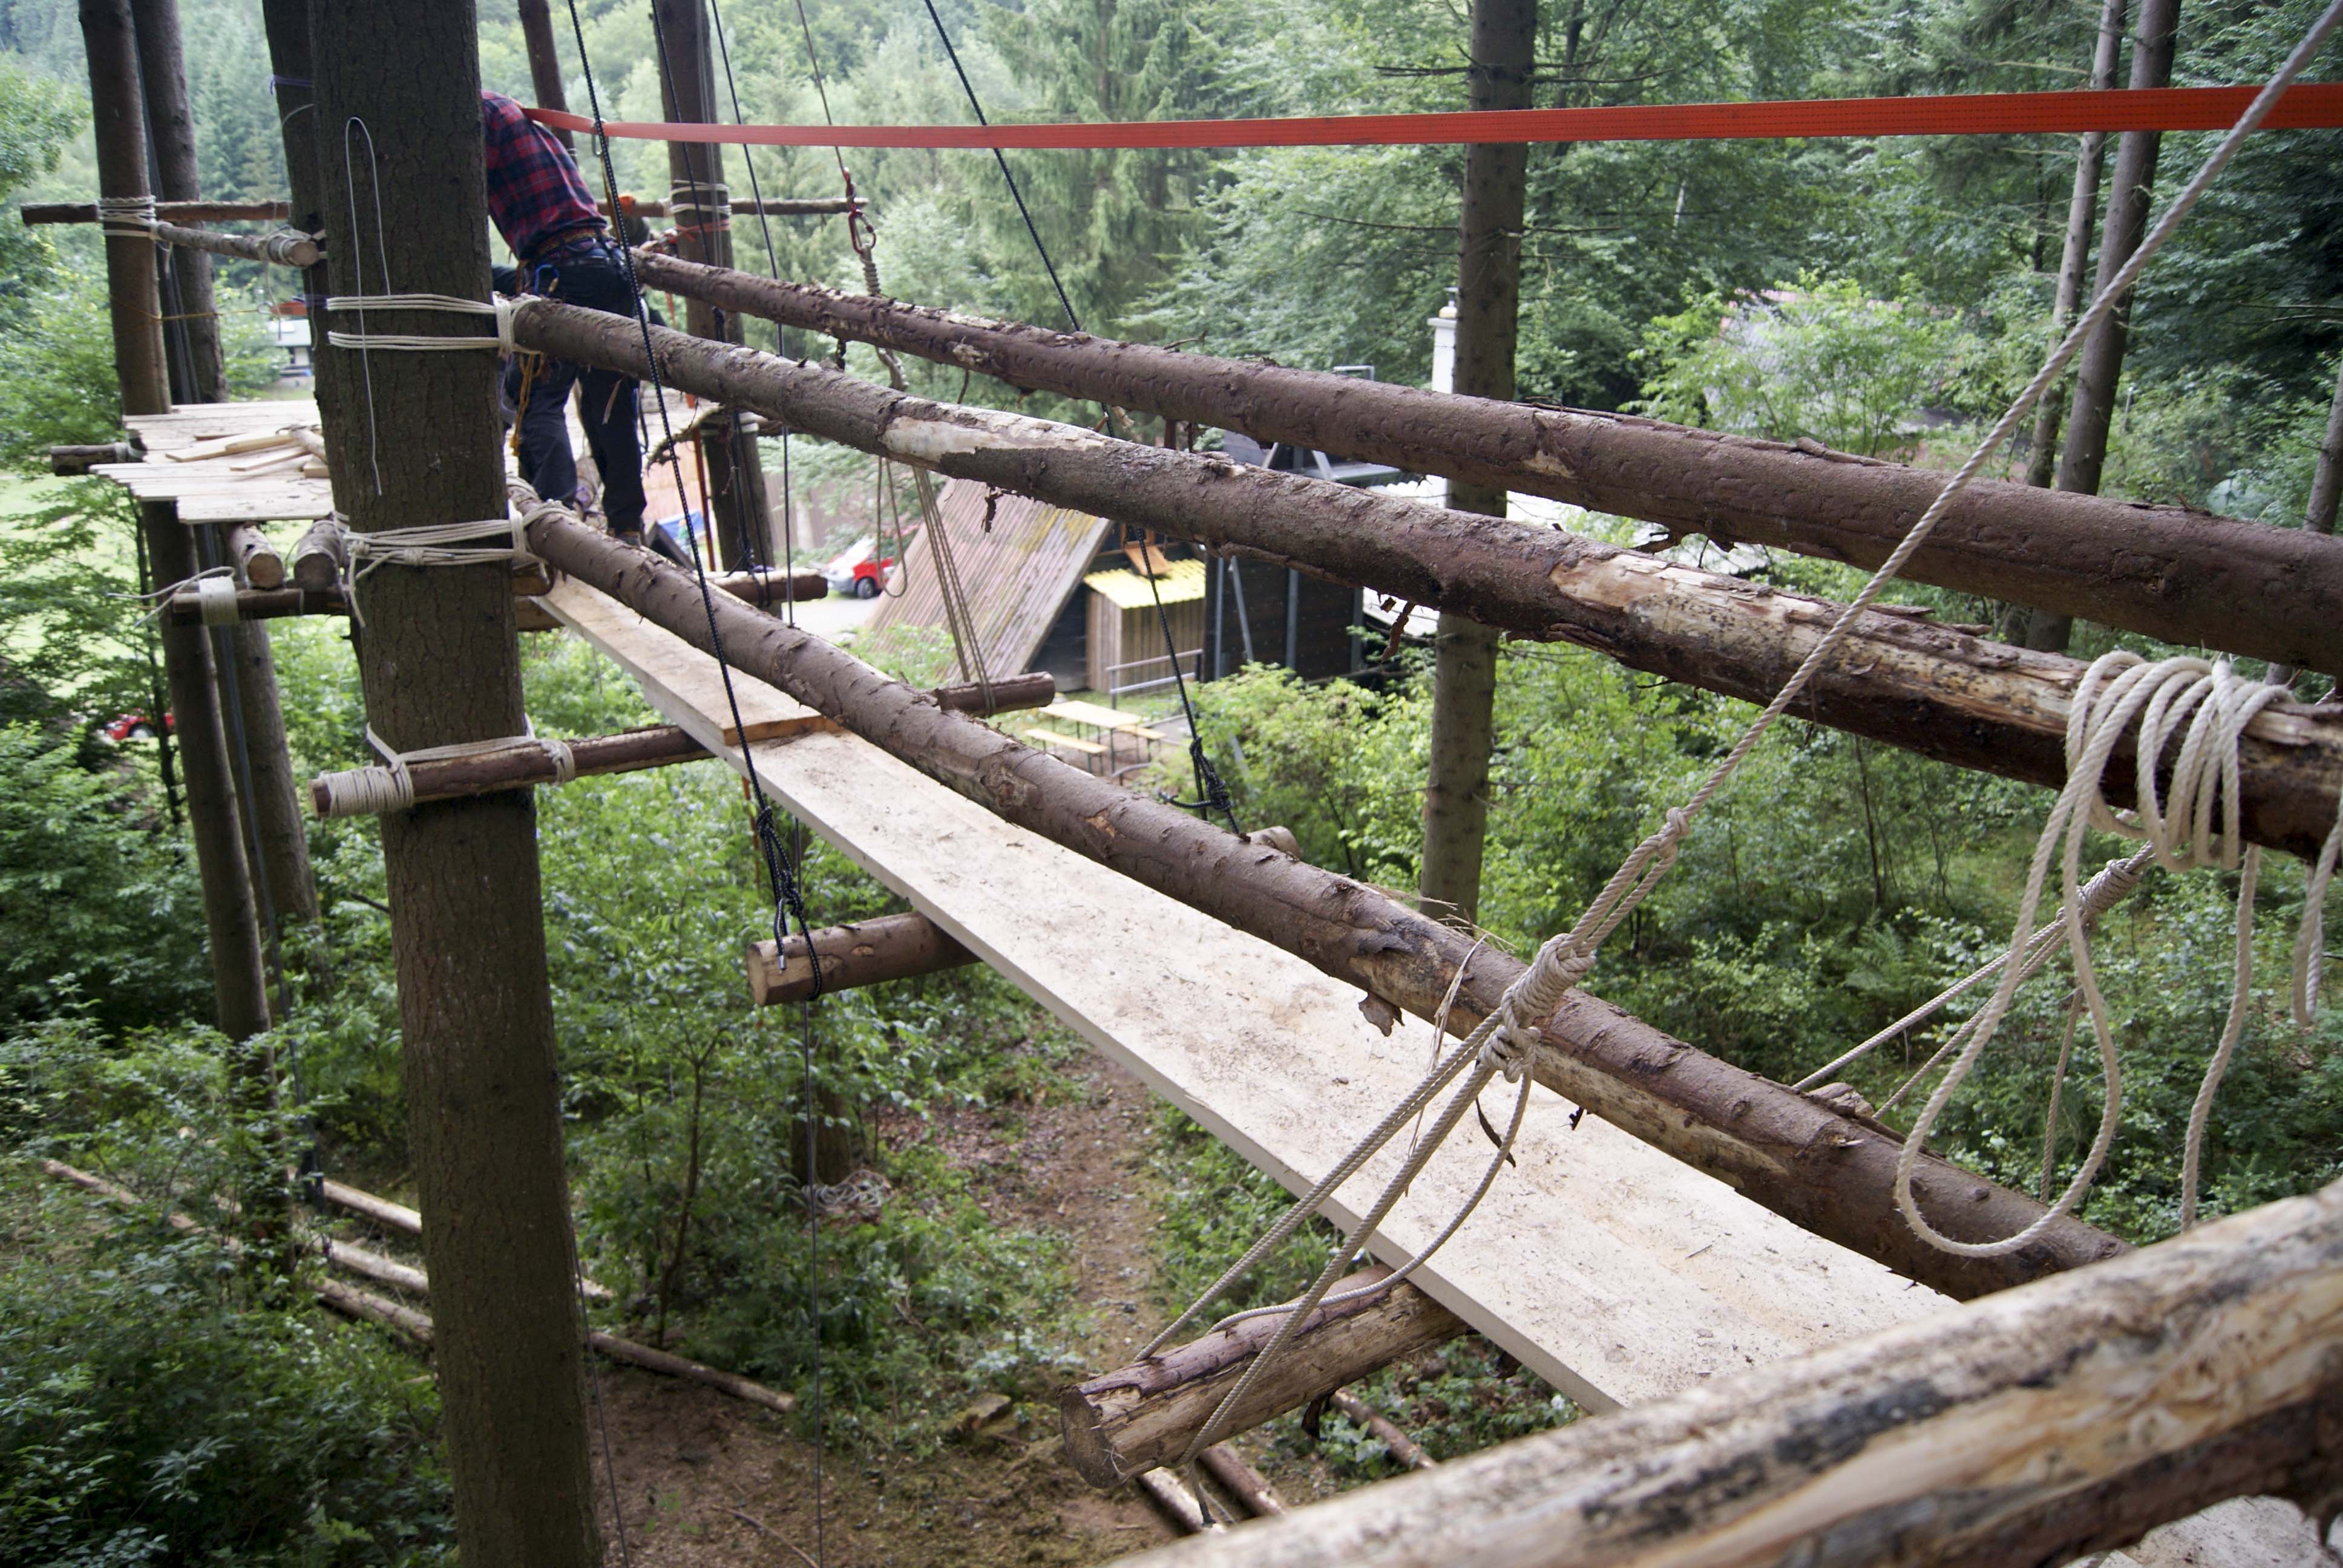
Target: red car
{"points": [[864, 580], [132, 726]]}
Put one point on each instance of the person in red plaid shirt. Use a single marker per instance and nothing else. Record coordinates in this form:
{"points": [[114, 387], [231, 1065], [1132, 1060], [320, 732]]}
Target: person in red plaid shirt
{"points": [[542, 207]]}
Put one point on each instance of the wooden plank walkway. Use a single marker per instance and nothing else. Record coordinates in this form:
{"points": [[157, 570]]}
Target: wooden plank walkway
{"points": [[1612, 1271], [210, 489]]}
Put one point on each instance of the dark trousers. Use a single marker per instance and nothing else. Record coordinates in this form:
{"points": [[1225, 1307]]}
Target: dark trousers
{"points": [[587, 275]]}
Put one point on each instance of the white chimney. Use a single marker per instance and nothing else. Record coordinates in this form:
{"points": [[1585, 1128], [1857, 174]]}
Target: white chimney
{"points": [[1444, 368]]}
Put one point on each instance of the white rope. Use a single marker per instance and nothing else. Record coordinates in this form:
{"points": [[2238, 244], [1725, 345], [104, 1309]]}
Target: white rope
{"points": [[1505, 1040], [500, 307], [216, 599], [368, 791], [2206, 706], [126, 218]]}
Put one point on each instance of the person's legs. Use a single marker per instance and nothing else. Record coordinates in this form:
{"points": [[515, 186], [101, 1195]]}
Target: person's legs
{"points": [[607, 400], [543, 398]]}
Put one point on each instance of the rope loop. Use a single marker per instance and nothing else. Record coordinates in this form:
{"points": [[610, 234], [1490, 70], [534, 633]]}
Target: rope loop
{"points": [[501, 308]]}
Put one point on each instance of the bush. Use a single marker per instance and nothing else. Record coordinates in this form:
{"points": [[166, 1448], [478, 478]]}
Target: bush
{"points": [[148, 1416]]}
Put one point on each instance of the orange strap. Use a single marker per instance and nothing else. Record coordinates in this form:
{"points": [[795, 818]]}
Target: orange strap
{"points": [[2311, 105]]}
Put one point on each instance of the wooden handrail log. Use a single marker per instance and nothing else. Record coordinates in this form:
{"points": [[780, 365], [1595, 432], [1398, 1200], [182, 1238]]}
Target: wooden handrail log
{"points": [[2065, 1417], [68, 460], [185, 608], [2186, 577], [38, 213], [1806, 1161], [286, 248], [1145, 1414], [864, 953], [1899, 679], [749, 207]]}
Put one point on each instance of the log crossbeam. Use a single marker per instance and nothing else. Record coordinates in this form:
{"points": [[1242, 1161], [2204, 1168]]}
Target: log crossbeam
{"points": [[2184, 577]]}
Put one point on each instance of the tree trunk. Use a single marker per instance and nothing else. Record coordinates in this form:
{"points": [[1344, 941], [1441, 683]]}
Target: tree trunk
{"points": [[1488, 311], [439, 664], [1804, 1160], [238, 987], [201, 374], [2082, 210], [866, 952], [278, 844], [2062, 1418], [2183, 577], [2098, 368], [736, 476], [1932, 690], [2326, 489], [544, 62], [1144, 1415]]}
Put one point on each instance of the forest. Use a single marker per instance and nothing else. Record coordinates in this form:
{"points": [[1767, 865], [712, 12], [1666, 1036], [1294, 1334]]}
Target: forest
{"points": [[160, 1402]]}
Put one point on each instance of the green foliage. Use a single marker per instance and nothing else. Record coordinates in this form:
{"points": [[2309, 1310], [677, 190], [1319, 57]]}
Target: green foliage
{"points": [[96, 906], [1814, 361], [57, 370]]}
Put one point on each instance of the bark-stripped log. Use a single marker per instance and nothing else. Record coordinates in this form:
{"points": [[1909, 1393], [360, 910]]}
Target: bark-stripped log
{"points": [[747, 206], [865, 952], [1900, 679], [2065, 1417], [286, 248], [38, 213], [257, 564], [1804, 1160], [1146, 1414], [398, 1217], [321, 556], [1244, 1482], [1404, 1448], [2183, 576]]}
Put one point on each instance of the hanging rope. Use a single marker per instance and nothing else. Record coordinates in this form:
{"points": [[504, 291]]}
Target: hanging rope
{"points": [[1505, 1040]]}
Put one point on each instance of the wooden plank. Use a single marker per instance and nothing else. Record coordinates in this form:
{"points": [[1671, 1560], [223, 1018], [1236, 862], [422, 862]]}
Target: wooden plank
{"points": [[677, 678], [1612, 1271]]}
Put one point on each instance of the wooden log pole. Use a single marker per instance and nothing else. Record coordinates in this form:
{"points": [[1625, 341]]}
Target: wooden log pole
{"points": [[2186, 577], [865, 952], [1171, 1494], [2062, 1418], [77, 460], [1805, 1160], [1145, 1414], [286, 248], [1901, 679], [1503, 60], [439, 664], [749, 207], [193, 332], [545, 75], [1242, 1481], [1037, 690], [257, 564], [321, 557], [407, 1222], [742, 524], [259, 604], [522, 765], [771, 587], [37, 214]]}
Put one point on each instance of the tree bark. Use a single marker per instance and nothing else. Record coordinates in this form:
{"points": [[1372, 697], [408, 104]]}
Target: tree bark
{"points": [[2082, 211], [2098, 368], [736, 474], [171, 124], [1489, 322], [2184, 576], [1503, 59], [865, 952], [545, 62], [2062, 1418], [1803, 1160], [1145, 1415], [1929, 688], [231, 930], [439, 664]]}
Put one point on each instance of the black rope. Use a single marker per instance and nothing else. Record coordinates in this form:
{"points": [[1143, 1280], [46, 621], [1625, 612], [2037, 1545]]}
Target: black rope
{"points": [[789, 901], [1212, 794]]}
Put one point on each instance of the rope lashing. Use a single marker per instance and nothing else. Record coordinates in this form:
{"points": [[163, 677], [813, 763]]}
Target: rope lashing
{"points": [[125, 217], [285, 247], [2206, 706], [216, 598], [443, 544], [501, 308], [699, 207], [369, 791]]}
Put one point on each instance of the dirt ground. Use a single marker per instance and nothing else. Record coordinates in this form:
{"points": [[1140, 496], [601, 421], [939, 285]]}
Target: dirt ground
{"points": [[702, 1479]]}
